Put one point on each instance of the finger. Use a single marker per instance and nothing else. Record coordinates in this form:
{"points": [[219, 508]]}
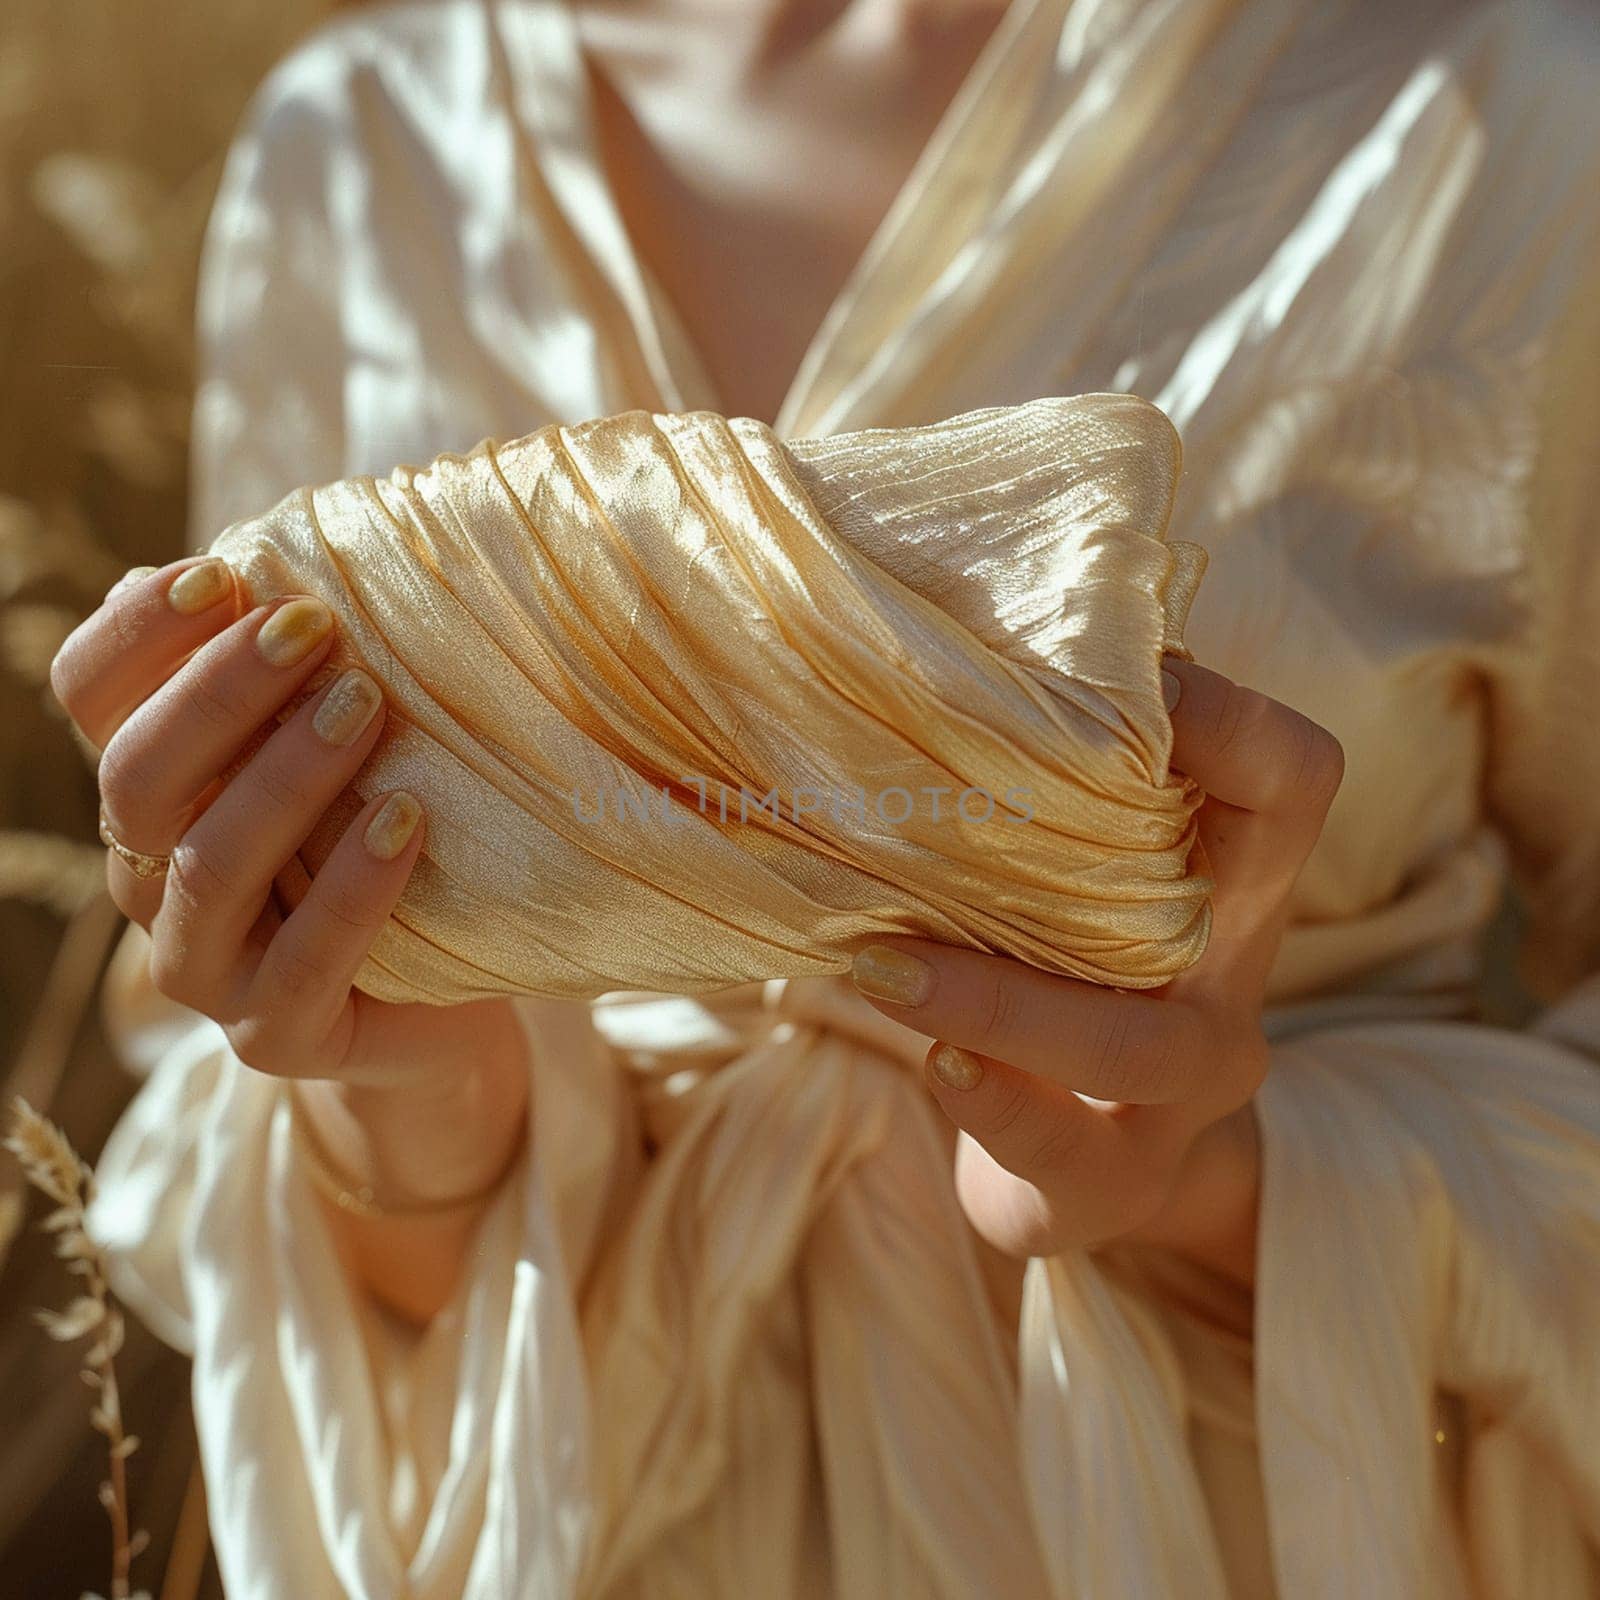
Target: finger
{"points": [[303, 1018], [217, 914], [143, 631], [1102, 1042], [138, 899], [1054, 1169], [170, 751], [1270, 775], [1249, 750], [131, 576]]}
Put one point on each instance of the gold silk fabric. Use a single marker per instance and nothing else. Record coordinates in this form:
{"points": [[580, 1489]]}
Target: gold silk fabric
{"points": [[689, 707]]}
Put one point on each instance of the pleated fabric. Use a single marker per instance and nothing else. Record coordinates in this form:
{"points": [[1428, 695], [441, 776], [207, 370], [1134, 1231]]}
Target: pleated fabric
{"points": [[675, 729]]}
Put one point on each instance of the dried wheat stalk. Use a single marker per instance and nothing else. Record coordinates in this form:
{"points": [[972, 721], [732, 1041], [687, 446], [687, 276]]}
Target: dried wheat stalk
{"points": [[52, 1166]]}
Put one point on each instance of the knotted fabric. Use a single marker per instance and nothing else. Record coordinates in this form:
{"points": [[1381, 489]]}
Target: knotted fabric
{"points": [[688, 706]]}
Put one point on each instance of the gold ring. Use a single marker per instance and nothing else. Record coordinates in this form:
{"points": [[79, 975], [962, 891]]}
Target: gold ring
{"points": [[140, 865]]}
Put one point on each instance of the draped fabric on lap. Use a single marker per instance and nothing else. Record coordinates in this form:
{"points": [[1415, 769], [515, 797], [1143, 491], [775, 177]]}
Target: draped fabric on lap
{"points": [[689, 707]]}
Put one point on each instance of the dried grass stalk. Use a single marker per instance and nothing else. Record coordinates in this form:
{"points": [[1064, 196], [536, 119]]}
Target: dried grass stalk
{"points": [[53, 1167]]}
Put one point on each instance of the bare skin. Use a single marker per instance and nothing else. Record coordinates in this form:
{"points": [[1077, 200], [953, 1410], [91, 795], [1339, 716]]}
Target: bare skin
{"points": [[754, 149], [426, 1102]]}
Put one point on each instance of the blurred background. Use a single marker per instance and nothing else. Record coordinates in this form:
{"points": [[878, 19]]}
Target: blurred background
{"points": [[114, 119]]}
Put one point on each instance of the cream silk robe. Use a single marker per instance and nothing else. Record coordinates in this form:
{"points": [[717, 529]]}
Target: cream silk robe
{"points": [[1352, 250]]}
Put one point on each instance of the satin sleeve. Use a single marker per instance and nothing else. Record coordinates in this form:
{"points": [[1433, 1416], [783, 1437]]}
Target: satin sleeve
{"points": [[1543, 772], [1428, 1291], [347, 1454], [1427, 1297], [273, 350]]}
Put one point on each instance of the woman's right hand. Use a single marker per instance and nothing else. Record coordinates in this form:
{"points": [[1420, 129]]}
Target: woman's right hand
{"points": [[174, 678]]}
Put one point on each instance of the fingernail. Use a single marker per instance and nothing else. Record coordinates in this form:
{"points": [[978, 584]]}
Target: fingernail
{"points": [[1171, 689], [293, 631], [892, 975], [347, 708], [394, 824], [955, 1068], [198, 587], [132, 575]]}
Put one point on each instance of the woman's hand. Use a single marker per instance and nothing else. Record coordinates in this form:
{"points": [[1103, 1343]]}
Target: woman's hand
{"points": [[1091, 1114], [175, 678]]}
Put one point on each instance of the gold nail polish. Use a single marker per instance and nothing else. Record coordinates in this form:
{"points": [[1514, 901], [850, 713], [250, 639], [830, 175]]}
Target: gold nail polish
{"points": [[132, 575], [347, 708], [199, 587], [888, 974], [955, 1068], [392, 827], [293, 631]]}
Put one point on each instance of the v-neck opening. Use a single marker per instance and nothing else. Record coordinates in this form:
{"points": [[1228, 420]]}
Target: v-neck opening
{"points": [[667, 346], [969, 93]]}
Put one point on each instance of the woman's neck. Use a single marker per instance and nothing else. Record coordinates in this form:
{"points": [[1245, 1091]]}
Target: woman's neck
{"points": [[754, 146], [742, 38]]}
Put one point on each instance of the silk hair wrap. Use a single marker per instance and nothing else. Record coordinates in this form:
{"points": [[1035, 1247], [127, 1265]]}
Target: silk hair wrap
{"points": [[604, 647]]}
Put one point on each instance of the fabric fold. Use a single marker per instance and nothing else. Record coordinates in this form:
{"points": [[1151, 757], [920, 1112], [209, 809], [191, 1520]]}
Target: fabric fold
{"points": [[1443, 1348], [689, 707]]}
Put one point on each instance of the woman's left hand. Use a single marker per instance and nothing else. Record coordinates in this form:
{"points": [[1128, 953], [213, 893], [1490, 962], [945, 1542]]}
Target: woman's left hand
{"points": [[1091, 1114]]}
